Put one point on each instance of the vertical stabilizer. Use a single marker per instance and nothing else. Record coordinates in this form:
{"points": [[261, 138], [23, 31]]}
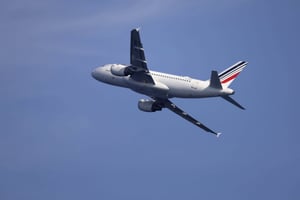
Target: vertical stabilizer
{"points": [[229, 74]]}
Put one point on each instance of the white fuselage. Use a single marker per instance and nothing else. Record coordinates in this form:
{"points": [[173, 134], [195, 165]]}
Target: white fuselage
{"points": [[166, 85]]}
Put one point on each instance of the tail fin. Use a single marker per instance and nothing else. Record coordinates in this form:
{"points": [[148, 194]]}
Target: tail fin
{"points": [[228, 75]]}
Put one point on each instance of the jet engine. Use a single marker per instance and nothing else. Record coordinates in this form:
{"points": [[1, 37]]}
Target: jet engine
{"points": [[120, 70], [147, 105]]}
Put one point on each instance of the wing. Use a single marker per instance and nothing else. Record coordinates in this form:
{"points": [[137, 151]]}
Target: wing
{"points": [[138, 63], [171, 106], [137, 55]]}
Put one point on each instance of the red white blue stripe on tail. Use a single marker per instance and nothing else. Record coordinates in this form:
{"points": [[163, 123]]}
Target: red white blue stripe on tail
{"points": [[228, 75]]}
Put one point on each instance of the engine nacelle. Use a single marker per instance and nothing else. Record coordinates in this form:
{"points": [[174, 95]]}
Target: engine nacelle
{"points": [[147, 105], [120, 70]]}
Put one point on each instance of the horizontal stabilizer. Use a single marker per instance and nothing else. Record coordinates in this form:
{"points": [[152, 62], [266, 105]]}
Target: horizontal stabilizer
{"points": [[231, 100], [215, 81]]}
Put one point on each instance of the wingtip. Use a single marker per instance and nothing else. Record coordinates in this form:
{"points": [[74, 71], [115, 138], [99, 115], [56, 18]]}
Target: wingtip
{"points": [[218, 135], [138, 29]]}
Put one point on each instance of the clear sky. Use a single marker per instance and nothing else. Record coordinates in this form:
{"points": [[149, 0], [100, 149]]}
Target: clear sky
{"points": [[63, 135]]}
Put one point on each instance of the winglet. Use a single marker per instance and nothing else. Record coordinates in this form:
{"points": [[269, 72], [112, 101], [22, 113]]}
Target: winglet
{"points": [[218, 135]]}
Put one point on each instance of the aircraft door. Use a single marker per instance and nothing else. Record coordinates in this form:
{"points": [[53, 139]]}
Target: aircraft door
{"points": [[194, 84]]}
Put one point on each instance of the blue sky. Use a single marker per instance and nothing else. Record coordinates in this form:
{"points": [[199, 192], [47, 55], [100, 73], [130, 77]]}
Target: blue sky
{"points": [[64, 135]]}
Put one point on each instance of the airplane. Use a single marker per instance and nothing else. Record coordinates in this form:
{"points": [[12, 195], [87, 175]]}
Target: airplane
{"points": [[161, 87]]}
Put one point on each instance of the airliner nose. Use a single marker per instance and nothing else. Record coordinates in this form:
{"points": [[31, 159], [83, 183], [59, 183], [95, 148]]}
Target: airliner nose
{"points": [[94, 73]]}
